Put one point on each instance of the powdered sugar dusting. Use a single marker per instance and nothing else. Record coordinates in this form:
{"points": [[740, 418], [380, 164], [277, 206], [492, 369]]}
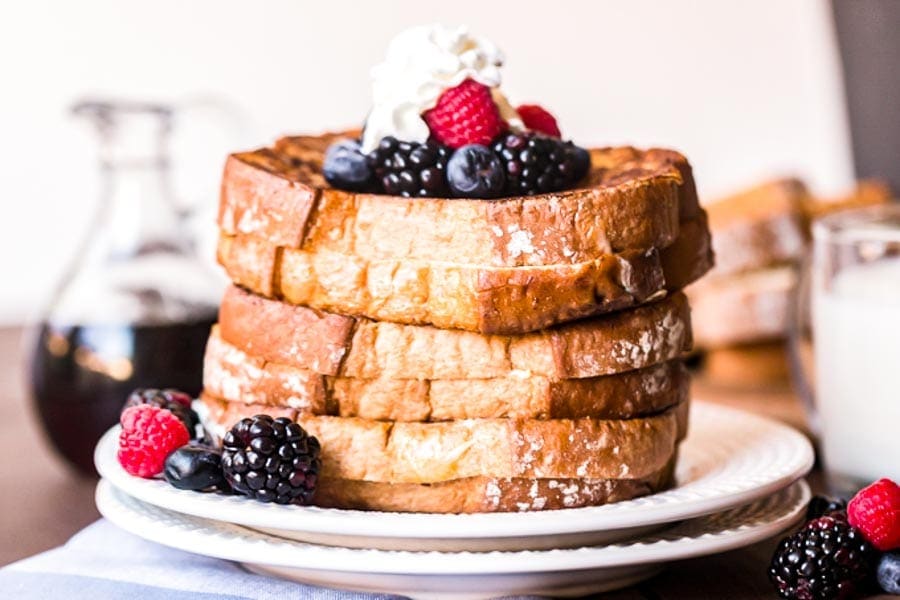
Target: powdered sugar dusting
{"points": [[520, 242], [664, 338]]}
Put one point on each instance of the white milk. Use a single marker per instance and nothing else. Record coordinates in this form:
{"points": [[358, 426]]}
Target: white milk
{"points": [[857, 349]]}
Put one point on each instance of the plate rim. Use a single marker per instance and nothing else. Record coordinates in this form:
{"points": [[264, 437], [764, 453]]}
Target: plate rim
{"points": [[245, 512], [266, 549]]}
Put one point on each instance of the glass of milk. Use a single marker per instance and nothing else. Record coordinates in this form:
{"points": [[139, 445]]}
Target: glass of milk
{"points": [[854, 282]]}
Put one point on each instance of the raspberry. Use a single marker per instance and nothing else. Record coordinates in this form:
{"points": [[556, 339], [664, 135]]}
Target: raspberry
{"points": [[175, 401], [537, 119], [465, 114], [875, 511], [149, 435]]}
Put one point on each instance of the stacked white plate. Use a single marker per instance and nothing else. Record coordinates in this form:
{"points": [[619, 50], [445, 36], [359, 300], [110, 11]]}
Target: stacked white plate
{"points": [[738, 482]]}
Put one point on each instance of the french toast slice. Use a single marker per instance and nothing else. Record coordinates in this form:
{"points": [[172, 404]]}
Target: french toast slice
{"points": [[631, 199], [338, 345], [759, 227], [233, 375], [405, 452], [751, 307], [501, 266], [470, 297], [867, 192], [487, 494]]}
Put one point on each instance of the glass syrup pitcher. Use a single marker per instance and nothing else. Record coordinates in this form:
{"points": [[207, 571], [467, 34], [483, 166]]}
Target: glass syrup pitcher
{"points": [[136, 306]]}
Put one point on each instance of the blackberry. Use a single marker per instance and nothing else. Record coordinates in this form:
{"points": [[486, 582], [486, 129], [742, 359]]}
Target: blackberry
{"points": [[271, 460], [536, 164], [175, 401], [410, 169], [827, 559], [820, 506]]}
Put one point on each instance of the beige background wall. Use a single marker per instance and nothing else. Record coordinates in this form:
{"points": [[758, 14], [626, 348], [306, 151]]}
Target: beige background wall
{"points": [[746, 89]]}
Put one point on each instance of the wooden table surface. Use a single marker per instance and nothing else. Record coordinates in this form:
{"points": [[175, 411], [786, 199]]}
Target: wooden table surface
{"points": [[43, 503]]}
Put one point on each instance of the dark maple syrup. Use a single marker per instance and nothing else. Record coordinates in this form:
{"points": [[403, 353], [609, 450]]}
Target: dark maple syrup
{"points": [[82, 374]]}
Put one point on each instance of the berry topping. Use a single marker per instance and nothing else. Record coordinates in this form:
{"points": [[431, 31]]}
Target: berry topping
{"points": [[409, 168], [271, 460], [175, 401], [827, 559], [820, 506], [149, 435], [875, 511], [537, 119], [194, 468], [889, 573], [537, 164], [475, 172], [465, 114], [345, 167]]}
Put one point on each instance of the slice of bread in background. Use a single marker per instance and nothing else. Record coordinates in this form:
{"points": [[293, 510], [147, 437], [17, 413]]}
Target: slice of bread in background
{"points": [[759, 227], [752, 307], [868, 192]]}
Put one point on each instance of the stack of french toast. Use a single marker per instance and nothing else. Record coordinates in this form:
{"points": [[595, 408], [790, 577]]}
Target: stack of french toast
{"points": [[461, 355], [744, 307]]}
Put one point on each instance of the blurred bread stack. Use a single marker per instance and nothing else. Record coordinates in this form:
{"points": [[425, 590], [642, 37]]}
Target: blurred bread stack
{"points": [[742, 309]]}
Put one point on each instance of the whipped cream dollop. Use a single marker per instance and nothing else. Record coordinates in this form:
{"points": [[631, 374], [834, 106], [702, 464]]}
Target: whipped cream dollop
{"points": [[421, 63]]}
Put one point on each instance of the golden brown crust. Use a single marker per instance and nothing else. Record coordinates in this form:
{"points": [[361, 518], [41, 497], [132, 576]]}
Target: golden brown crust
{"points": [[234, 375], [487, 494], [404, 452], [332, 344], [629, 200]]}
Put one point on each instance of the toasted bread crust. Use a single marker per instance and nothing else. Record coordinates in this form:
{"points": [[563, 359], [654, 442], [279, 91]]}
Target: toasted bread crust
{"points": [[487, 494], [403, 452], [629, 200], [344, 346], [233, 375]]}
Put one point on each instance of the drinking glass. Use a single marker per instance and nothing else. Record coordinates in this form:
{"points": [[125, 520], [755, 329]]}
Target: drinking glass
{"points": [[851, 377]]}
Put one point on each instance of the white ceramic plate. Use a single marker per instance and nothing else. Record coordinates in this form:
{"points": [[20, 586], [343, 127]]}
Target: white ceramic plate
{"points": [[459, 574], [730, 458]]}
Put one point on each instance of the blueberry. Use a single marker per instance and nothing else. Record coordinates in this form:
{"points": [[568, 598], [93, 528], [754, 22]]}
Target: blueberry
{"points": [[581, 161], [346, 167], [194, 468], [822, 505], [889, 572], [474, 171]]}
